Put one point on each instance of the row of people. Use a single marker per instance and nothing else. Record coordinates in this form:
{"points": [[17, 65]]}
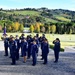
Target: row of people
{"points": [[29, 47]]}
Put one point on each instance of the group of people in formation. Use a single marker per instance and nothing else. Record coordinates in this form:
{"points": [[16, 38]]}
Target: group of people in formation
{"points": [[29, 47]]}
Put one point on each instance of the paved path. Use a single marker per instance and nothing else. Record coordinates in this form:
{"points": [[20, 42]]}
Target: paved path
{"points": [[65, 66]]}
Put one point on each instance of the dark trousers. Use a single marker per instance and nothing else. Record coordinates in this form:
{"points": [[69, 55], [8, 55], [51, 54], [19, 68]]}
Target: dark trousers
{"points": [[34, 59], [29, 53], [17, 54], [13, 57], [21, 52], [6, 51], [45, 58], [56, 56]]}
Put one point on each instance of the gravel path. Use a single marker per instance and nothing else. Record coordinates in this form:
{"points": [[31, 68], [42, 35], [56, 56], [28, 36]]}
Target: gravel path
{"points": [[65, 66]]}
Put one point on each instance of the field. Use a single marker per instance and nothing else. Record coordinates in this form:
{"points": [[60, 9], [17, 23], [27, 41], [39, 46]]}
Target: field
{"points": [[66, 40], [22, 12]]}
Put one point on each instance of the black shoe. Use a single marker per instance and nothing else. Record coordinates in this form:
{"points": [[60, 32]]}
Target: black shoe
{"points": [[5, 55], [44, 63], [13, 64], [10, 57], [28, 57], [33, 64], [24, 62], [55, 61], [41, 59], [21, 55]]}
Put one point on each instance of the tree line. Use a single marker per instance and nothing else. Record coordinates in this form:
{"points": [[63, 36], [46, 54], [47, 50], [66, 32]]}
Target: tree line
{"points": [[39, 27]]}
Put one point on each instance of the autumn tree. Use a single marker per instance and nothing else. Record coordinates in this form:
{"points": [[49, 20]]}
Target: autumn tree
{"points": [[53, 28], [37, 27], [31, 28], [21, 27]]}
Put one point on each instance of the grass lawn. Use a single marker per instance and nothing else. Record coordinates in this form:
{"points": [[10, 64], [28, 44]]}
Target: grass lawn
{"points": [[66, 40]]}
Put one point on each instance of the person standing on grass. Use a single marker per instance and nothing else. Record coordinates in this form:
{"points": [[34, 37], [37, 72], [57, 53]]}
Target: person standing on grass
{"points": [[56, 49]]}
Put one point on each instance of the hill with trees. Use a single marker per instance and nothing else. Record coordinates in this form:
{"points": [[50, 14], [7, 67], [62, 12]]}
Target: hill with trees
{"points": [[39, 20]]}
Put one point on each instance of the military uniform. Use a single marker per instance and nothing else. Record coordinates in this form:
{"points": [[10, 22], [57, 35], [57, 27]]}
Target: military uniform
{"points": [[17, 49], [6, 46], [13, 52], [56, 50], [34, 51], [45, 51]]}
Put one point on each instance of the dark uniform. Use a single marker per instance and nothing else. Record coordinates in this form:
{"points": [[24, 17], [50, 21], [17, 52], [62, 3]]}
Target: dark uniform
{"points": [[17, 49], [24, 48], [13, 52], [56, 49], [42, 43], [45, 51], [6, 46], [34, 51], [10, 42], [29, 40], [21, 44]]}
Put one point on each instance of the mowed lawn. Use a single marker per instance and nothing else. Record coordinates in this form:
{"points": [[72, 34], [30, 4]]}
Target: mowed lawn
{"points": [[66, 40]]}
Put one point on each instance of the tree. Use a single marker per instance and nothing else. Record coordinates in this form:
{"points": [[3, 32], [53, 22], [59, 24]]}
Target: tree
{"points": [[43, 29], [53, 28], [16, 26], [31, 28], [37, 27], [21, 27]]}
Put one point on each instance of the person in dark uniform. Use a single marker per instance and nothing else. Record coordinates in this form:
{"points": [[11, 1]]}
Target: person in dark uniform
{"points": [[42, 43], [29, 40], [56, 49], [45, 51], [13, 51], [18, 47], [6, 45], [24, 49], [10, 44], [34, 51], [21, 43]]}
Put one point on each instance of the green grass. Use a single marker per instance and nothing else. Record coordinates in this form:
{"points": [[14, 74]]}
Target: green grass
{"points": [[26, 12], [66, 40], [61, 49], [63, 18]]}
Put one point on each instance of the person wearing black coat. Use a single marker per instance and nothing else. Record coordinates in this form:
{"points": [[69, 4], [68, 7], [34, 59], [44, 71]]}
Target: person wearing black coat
{"points": [[56, 49], [45, 51]]}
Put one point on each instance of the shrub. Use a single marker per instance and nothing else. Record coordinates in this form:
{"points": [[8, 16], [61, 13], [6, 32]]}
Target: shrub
{"points": [[61, 49]]}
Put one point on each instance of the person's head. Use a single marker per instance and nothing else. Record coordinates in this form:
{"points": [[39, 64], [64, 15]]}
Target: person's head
{"points": [[17, 37], [37, 35], [22, 34], [45, 40], [57, 39], [43, 35], [34, 42], [12, 38]]}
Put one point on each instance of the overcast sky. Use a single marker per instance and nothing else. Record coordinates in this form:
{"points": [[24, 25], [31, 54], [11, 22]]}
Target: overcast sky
{"points": [[51, 4]]}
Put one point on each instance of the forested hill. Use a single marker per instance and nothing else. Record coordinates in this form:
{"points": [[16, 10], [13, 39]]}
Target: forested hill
{"points": [[40, 15]]}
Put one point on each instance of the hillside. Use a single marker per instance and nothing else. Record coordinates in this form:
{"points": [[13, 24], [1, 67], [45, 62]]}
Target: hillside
{"points": [[57, 15]]}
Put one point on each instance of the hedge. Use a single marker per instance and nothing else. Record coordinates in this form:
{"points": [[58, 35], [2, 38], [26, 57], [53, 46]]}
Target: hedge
{"points": [[61, 49]]}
